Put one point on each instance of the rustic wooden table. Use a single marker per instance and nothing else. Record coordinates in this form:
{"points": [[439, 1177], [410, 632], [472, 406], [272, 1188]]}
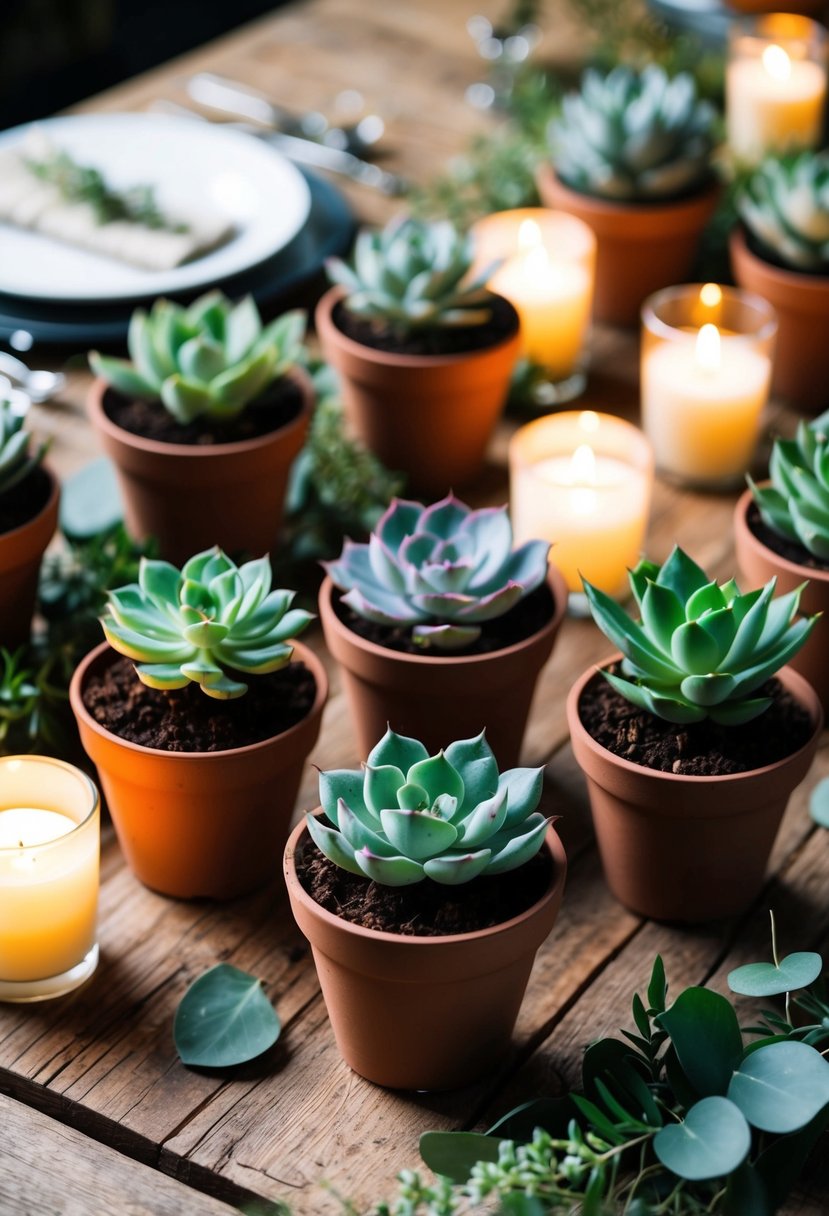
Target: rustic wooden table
{"points": [[98, 1115]]}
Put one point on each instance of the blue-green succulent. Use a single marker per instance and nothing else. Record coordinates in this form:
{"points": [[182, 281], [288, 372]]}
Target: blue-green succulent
{"points": [[795, 504], [17, 460]]}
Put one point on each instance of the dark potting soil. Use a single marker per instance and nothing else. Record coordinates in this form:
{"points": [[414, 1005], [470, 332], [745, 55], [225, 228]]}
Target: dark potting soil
{"points": [[426, 909], [521, 622], [24, 501], [187, 720], [455, 340], [781, 545], [274, 409], [702, 749]]}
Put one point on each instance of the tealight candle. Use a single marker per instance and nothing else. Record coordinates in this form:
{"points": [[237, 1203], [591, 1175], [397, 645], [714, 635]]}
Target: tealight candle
{"points": [[775, 86], [49, 844], [583, 481], [705, 378]]}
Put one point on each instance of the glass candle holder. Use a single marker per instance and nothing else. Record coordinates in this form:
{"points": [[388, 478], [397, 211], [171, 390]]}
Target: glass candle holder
{"points": [[547, 271], [775, 85], [705, 377], [49, 849], [583, 481]]}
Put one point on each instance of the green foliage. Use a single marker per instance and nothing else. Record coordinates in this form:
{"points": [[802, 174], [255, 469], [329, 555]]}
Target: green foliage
{"points": [[785, 206], [224, 1018], [33, 699], [16, 459], [796, 503]]}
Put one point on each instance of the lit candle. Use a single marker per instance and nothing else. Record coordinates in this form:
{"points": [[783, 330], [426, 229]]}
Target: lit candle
{"points": [[583, 481]]}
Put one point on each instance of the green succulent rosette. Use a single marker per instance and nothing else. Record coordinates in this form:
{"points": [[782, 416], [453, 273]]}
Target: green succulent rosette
{"points": [[17, 460], [784, 204], [796, 503]]}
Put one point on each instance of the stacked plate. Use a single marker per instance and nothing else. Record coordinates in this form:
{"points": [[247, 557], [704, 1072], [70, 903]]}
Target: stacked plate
{"points": [[284, 222]]}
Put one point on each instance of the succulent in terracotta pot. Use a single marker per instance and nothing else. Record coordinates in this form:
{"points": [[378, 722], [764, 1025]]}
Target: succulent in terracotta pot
{"points": [[424, 351], [203, 422], [693, 737], [631, 157], [782, 253], [440, 625], [199, 711], [425, 881]]}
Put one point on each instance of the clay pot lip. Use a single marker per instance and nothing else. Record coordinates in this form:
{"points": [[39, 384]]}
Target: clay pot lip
{"points": [[795, 683], [745, 534], [301, 652], [558, 590], [49, 507], [182, 451], [296, 890], [325, 326], [812, 285], [601, 207]]}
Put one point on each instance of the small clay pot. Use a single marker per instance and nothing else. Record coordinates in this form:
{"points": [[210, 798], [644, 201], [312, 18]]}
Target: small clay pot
{"points": [[686, 848], [428, 416], [640, 247], [194, 824], [424, 1012], [21, 552], [758, 564], [193, 496], [437, 700], [801, 360]]}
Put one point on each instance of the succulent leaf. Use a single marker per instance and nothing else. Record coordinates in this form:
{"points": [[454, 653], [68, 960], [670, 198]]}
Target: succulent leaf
{"points": [[795, 503], [17, 461], [785, 207]]}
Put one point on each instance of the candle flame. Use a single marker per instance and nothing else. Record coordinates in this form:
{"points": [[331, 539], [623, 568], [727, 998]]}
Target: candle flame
{"points": [[535, 258], [711, 295], [583, 466], [589, 421], [529, 235], [776, 62], [708, 348]]}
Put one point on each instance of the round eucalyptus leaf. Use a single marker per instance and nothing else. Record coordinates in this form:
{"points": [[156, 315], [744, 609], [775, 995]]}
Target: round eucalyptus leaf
{"points": [[713, 1141], [819, 803], [781, 1087], [453, 1154], [764, 979], [224, 1018], [90, 501]]}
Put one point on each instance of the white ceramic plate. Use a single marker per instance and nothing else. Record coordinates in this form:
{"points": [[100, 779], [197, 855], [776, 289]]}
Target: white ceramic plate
{"points": [[189, 164]]}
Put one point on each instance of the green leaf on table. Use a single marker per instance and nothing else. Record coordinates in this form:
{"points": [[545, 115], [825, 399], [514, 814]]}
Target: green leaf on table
{"points": [[746, 1194], [713, 1140], [90, 501], [781, 1087], [706, 1037], [764, 979], [819, 803], [224, 1018], [658, 987], [453, 1154], [551, 1114]]}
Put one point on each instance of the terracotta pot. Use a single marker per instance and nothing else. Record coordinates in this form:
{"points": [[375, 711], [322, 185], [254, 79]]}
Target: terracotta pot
{"points": [[758, 564], [686, 848], [195, 824], [808, 8], [437, 700], [191, 496], [641, 247], [424, 1012], [21, 551], [801, 301], [429, 416]]}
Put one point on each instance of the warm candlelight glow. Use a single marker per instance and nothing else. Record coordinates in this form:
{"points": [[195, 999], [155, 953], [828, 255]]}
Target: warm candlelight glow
{"points": [[529, 235], [711, 295], [776, 62], [589, 421], [708, 349], [583, 466]]}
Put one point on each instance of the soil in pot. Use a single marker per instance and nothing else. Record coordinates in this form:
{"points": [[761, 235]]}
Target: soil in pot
{"points": [[781, 545], [452, 340], [24, 501]]}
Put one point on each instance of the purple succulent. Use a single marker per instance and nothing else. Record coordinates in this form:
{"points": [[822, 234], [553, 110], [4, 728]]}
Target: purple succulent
{"points": [[442, 569]]}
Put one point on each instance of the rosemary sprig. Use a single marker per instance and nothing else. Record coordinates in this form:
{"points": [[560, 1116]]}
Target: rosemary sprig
{"points": [[83, 184]]}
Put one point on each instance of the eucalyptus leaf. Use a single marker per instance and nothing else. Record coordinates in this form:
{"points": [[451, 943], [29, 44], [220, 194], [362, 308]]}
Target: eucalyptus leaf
{"points": [[706, 1036], [764, 979], [90, 501], [453, 1154], [224, 1018], [781, 1087], [711, 1142], [819, 803]]}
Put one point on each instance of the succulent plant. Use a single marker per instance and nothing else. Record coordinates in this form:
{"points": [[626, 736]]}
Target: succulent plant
{"points": [[796, 504], [210, 359], [414, 275], [785, 206], [633, 134], [700, 650], [16, 458], [410, 816], [442, 569], [204, 624]]}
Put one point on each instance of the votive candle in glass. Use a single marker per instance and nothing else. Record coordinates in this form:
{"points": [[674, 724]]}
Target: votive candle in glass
{"points": [[705, 377], [49, 848]]}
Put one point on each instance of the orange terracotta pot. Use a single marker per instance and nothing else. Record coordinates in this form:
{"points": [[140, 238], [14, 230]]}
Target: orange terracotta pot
{"points": [[640, 247], [194, 824], [687, 848], [807, 8], [21, 552], [424, 1012], [801, 301], [437, 700], [191, 496], [429, 416], [757, 564]]}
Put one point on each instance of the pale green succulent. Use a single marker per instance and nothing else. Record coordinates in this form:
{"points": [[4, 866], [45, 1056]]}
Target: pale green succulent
{"points": [[16, 459], [785, 206], [796, 504], [700, 650], [203, 625], [409, 816], [414, 275], [209, 360], [634, 135]]}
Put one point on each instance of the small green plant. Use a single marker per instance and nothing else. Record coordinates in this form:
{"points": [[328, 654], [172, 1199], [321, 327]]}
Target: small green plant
{"points": [[411, 816], [796, 504], [211, 359], [700, 650], [16, 458], [33, 697], [784, 205], [203, 624]]}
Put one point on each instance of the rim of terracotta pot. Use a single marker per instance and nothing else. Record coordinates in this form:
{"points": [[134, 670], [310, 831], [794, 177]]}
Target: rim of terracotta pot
{"points": [[326, 327], [102, 422], [809, 288], [559, 874], [812, 573], [13, 534], [639, 215], [302, 653], [796, 683], [558, 590]]}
